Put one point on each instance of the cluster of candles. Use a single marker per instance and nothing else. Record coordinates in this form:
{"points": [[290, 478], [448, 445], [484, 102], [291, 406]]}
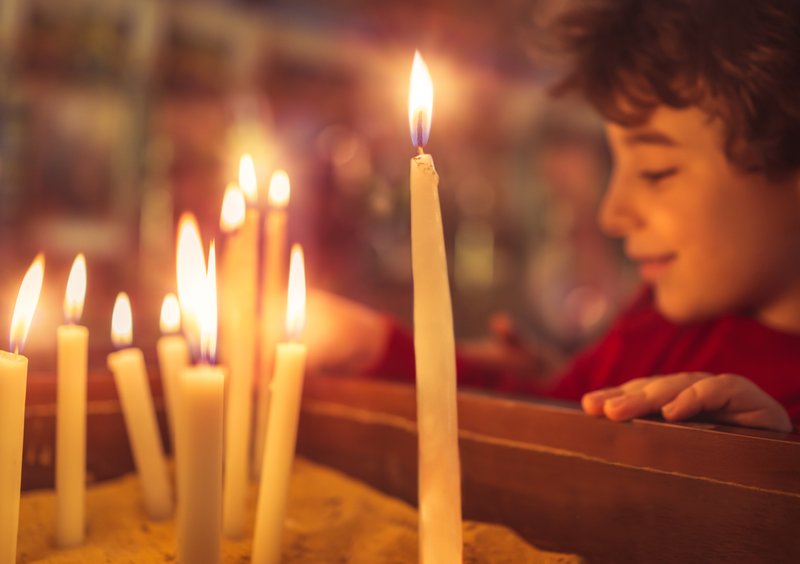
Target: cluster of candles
{"points": [[209, 406]]}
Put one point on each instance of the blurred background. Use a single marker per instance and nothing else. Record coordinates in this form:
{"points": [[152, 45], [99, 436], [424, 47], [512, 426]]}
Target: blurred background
{"points": [[118, 115]]}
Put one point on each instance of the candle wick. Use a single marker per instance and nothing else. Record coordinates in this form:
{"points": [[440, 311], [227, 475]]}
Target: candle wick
{"points": [[420, 133], [16, 349], [420, 150]]}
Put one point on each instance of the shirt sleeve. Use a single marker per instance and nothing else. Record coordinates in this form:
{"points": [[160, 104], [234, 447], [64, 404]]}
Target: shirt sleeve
{"points": [[398, 363], [597, 365]]}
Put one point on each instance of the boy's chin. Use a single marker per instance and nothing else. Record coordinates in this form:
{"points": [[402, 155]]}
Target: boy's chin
{"points": [[680, 310]]}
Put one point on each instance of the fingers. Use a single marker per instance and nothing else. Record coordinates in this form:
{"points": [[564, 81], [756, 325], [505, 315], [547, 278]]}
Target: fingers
{"points": [[592, 403], [638, 397], [730, 399]]}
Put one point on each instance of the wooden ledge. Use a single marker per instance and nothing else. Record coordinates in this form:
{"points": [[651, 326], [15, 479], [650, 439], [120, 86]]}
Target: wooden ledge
{"points": [[644, 491], [640, 491]]}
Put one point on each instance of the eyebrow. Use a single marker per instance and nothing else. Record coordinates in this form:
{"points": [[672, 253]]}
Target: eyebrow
{"points": [[650, 137]]}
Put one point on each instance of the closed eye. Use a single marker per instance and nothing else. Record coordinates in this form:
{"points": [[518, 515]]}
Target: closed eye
{"points": [[654, 176]]}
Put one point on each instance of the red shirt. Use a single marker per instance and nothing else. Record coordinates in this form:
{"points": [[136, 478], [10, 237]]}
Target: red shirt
{"points": [[641, 342]]}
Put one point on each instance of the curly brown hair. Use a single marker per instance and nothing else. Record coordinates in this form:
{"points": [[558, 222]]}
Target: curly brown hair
{"points": [[738, 60]]}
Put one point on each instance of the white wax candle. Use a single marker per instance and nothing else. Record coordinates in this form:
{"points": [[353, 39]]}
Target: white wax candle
{"points": [[239, 269], [73, 353], [434, 344], [13, 379], [173, 357], [273, 302], [73, 356], [287, 387], [201, 392], [200, 474], [13, 382], [130, 376]]}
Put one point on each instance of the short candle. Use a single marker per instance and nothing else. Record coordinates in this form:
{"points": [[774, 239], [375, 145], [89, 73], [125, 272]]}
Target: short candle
{"points": [[13, 381], [173, 356], [286, 391], [130, 376], [201, 391], [73, 357]]}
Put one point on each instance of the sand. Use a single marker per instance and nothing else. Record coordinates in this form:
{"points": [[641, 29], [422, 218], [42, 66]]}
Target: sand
{"points": [[331, 519]]}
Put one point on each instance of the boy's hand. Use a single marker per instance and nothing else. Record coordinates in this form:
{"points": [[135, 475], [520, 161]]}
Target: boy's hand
{"points": [[726, 398], [506, 351], [342, 336]]}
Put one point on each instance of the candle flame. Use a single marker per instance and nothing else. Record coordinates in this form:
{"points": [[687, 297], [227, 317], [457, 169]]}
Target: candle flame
{"points": [[279, 189], [247, 178], [191, 273], [170, 321], [234, 209], [76, 290], [420, 102], [122, 322], [27, 300], [207, 310], [296, 299]]}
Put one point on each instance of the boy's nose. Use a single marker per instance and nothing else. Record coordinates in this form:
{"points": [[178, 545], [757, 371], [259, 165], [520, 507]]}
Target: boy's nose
{"points": [[617, 215]]}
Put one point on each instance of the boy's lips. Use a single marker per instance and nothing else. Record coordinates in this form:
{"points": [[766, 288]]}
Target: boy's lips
{"points": [[652, 267]]}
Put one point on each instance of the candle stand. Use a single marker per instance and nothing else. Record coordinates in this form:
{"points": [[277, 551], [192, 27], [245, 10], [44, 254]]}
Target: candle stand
{"points": [[642, 491]]}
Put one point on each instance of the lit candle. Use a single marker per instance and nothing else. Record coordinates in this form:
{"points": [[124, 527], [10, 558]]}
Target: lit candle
{"points": [[173, 356], [238, 272], [130, 376], [73, 354], [239, 215], [439, 494], [13, 380], [201, 390], [273, 300], [287, 387]]}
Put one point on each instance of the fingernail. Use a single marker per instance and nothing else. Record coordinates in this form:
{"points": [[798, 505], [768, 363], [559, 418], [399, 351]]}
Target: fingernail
{"points": [[617, 402], [668, 408], [599, 394]]}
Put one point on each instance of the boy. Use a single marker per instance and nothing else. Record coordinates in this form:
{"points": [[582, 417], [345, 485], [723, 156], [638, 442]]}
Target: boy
{"points": [[703, 120]]}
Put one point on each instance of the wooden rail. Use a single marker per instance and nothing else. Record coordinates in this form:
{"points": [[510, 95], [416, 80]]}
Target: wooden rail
{"points": [[644, 491]]}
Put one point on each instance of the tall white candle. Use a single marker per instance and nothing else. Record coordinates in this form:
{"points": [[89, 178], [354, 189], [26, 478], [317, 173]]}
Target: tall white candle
{"points": [[130, 376], [434, 344], [173, 357], [13, 381], [287, 387], [273, 301], [201, 392], [238, 273], [73, 355]]}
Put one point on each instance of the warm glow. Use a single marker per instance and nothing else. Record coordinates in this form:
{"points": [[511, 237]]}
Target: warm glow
{"points": [[279, 189], [170, 315], [207, 310], [420, 102], [27, 299], [234, 209], [191, 273], [247, 178], [296, 300], [76, 290], [122, 322]]}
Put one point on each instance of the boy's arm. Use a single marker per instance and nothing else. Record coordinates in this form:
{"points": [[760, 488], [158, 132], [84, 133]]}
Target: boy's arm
{"points": [[727, 398]]}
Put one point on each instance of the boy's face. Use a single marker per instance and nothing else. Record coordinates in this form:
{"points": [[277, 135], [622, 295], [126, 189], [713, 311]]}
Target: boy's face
{"points": [[708, 238]]}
